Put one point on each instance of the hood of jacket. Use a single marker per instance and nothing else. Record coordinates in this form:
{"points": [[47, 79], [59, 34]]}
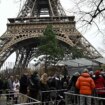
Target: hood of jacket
{"points": [[85, 75]]}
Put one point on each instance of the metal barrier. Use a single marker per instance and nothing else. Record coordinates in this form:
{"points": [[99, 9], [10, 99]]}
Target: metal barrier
{"points": [[100, 90], [53, 97], [77, 99], [11, 98]]}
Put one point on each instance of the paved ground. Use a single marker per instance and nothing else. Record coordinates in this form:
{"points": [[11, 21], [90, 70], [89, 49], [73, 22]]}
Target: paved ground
{"points": [[3, 101]]}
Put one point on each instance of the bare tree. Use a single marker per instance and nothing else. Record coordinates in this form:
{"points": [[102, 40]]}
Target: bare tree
{"points": [[89, 12], [90, 18]]}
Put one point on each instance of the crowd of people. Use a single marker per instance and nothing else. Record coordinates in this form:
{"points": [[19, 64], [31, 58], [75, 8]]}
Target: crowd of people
{"points": [[84, 83], [88, 83], [33, 84]]}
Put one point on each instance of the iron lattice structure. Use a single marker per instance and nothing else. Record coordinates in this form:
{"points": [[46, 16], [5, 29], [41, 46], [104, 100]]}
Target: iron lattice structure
{"points": [[23, 32]]}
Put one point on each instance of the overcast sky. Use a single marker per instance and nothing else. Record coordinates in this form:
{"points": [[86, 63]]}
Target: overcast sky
{"points": [[10, 9]]}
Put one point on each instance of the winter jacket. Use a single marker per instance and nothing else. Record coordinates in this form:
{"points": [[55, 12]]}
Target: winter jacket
{"points": [[85, 83], [10, 84], [44, 87], [1, 84], [24, 84], [100, 84], [34, 83], [72, 84], [34, 86]]}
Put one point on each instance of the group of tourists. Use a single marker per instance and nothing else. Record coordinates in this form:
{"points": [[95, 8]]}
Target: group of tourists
{"points": [[84, 83], [88, 83], [33, 84]]}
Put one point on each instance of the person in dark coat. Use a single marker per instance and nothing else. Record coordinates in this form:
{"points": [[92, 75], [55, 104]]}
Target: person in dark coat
{"points": [[10, 83], [10, 87], [72, 83], [1, 85], [24, 83], [100, 85], [72, 86], [6, 87], [57, 81], [51, 83], [64, 82], [44, 87], [34, 85], [5, 84]]}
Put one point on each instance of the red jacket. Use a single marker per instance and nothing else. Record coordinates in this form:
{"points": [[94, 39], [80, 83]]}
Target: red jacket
{"points": [[100, 85], [85, 83]]}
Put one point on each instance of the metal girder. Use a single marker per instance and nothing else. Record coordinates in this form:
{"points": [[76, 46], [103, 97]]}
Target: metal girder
{"points": [[37, 8], [22, 56]]}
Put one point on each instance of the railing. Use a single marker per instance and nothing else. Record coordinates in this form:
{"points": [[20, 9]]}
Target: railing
{"points": [[77, 99], [42, 19], [53, 97], [11, 98]]}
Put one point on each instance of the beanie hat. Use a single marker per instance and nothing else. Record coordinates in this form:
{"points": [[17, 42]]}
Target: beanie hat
{"points": [[97, 72], [85, 70], [91, 72], [76, 74]]}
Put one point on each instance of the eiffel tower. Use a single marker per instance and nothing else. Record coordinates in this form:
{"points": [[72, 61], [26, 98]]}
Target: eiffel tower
{"points": [[23, 32]]}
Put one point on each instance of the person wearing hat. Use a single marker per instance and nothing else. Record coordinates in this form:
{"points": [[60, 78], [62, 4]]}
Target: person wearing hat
{"points": [[100, 84], [72, 88], [85, 84], [72, 83]]}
